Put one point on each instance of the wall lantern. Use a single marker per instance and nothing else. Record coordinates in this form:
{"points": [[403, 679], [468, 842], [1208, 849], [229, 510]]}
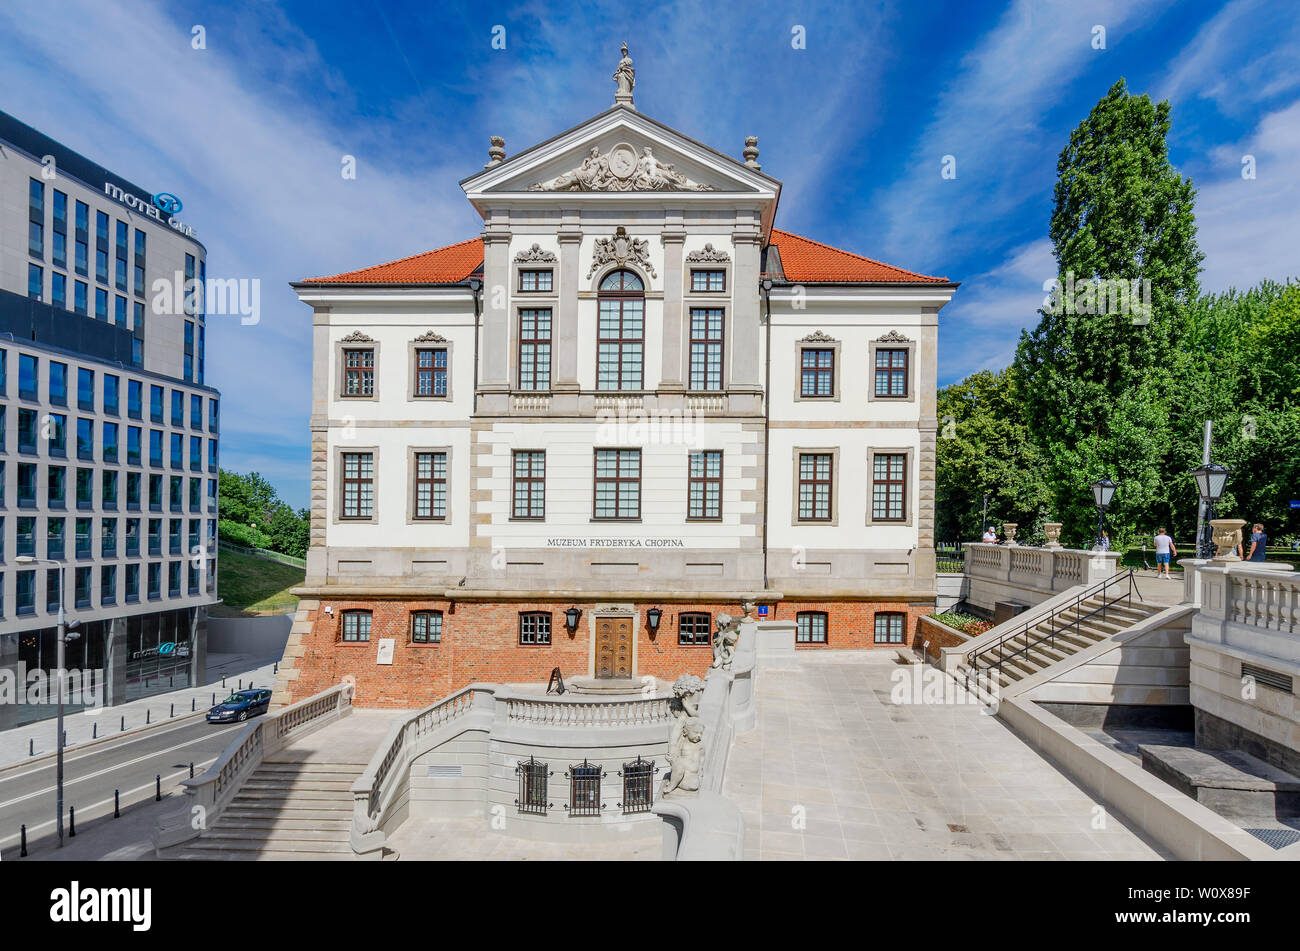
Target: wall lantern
{"points": [[571, 617], [652, 619]]}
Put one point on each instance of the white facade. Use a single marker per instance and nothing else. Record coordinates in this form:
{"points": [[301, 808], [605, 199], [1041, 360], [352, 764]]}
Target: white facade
{"points": [[720, 219]]}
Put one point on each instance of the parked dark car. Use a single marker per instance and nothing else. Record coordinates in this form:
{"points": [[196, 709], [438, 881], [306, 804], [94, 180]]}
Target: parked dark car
{"points": [[239, 706]]}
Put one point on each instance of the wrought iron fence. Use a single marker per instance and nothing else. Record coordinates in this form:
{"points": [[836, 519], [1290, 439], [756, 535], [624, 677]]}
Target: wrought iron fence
{"points": [[638, 786], [584, 789], [533, 778], [949, 557]]}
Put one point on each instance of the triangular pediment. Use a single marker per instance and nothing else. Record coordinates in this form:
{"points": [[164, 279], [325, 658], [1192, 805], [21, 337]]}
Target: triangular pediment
{"points": [[621, 151]]}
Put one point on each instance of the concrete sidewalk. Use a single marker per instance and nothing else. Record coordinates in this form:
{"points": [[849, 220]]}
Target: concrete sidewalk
{"points": [[34, 739]]}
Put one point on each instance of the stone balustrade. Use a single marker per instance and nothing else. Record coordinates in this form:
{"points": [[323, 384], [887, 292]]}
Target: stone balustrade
{"points": [[212, 791], [1030, 575]]}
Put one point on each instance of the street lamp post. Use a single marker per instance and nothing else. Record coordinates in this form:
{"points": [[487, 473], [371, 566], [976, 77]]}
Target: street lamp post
{"points": [[1211, 479], [1103, 491], [63, 636]]}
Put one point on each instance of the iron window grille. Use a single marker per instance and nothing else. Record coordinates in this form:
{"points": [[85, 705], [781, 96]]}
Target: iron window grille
{"points": [[533, 778], [638, 786], [693, 629], [535, 627], [584, 789]]}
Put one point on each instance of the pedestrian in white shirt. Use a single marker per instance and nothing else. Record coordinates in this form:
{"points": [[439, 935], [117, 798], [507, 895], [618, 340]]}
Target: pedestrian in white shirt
{"points": [[1165, 548], [990, 536]]}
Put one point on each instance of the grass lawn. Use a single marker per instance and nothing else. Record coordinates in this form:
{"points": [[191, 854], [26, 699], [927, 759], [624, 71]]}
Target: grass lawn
{"points": [[251, 585]]}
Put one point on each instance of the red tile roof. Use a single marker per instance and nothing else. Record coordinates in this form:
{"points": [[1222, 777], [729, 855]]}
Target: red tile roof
{"points": [[805, 260], [801, 260], [447, 265]]}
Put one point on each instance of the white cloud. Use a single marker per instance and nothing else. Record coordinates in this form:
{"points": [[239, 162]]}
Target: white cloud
{"points": [[1250, 229]]}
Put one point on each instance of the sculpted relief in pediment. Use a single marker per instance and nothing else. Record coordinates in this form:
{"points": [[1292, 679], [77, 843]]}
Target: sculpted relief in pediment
{"points": [[620, 170]]}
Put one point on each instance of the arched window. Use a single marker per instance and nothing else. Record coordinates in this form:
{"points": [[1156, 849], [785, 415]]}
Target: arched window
{"points": [[621, 341]]}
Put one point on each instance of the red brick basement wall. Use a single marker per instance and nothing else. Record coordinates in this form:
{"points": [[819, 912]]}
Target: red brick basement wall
{"points": [[480, 642]]}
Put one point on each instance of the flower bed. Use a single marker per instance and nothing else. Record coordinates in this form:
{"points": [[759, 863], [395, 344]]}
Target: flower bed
{"points": [[968, 624]]}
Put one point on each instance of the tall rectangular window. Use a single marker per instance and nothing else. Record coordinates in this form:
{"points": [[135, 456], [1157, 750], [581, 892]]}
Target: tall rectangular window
{"points": [[431, 371], [891, 373], [35, 281], [817, 373], [704, 494], [59, 290], [889, 627], [82, 241], [138, 263], [85, 388], [101, 247], [156, 403], [358, 484], [706, 348], [101, 304], [535, 348], [815, 486], [111, 385], [359, 372], [58, 383], [356, 626], [119, 257], [36, 218], [529, 486], [79, 299], [431, 485], [889, 487], [620, 343], [27, 367], [59, 247], [134, 398], [810, 627], [617, 490]]}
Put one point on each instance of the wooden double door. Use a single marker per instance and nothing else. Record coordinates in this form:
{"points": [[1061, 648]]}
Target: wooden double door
{"points": [[614, 648]]}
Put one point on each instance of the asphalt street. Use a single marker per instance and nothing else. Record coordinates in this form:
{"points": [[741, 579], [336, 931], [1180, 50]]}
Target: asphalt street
{"points": [[28, 794]]}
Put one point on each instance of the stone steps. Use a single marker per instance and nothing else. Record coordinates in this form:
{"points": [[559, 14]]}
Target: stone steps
{"points": [[1047, 644], [284, 810]]}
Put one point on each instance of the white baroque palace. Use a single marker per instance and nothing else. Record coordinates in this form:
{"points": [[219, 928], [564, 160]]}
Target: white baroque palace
{"points": [[630, 392]]}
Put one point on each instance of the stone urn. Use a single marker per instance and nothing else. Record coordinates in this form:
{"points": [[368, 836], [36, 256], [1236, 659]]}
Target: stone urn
{"points": [[1227, 536], [1053, 532], [1009, 531]]}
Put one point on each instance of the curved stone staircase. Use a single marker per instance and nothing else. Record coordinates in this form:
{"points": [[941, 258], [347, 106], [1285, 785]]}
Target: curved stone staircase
{"points": [[285, 810]]}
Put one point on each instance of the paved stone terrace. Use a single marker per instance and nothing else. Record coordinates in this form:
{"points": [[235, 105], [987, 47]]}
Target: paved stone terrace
{"points": [[878, 780], [474, 839]]}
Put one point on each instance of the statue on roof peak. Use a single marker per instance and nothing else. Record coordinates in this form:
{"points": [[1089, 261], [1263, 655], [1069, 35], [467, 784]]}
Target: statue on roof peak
{"points": [[625, 77]]}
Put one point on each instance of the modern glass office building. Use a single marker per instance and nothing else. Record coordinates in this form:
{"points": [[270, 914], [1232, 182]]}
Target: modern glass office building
{"points": [[108, 431]]}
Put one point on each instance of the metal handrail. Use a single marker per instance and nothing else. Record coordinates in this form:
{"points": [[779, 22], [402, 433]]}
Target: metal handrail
{"points": [[972, 659]]}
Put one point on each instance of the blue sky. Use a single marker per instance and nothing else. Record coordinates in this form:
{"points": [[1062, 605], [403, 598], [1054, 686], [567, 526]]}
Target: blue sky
{"points": [[251, 130]]}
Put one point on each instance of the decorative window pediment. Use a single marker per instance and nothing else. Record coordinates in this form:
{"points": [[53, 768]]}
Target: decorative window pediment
{"points": [[358, 337], [893, 337], [708, 255], [535, 255], [430, 336], [818, 336]]}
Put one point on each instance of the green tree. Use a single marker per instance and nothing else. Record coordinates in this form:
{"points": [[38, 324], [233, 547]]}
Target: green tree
{"points": [[1096, 372], [984, 448], [252, 514]]}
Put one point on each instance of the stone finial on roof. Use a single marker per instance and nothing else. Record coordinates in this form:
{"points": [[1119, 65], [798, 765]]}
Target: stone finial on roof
{"points": [[751, 152], [496, 151]]}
